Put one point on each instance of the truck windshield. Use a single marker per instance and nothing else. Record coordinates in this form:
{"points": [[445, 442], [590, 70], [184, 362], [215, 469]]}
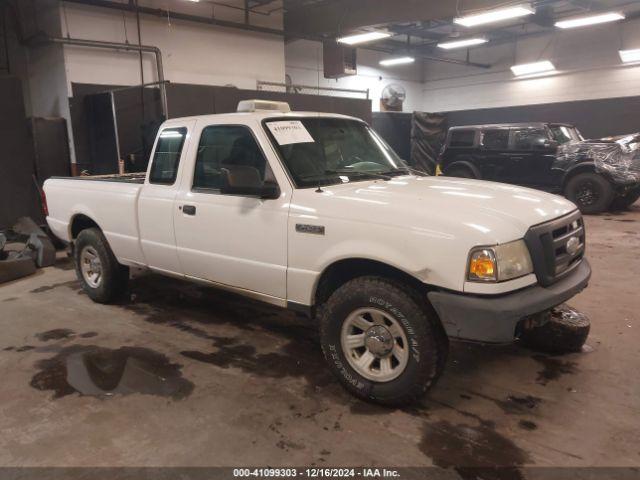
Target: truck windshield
{"points": [[324, 151], [563, 134]]}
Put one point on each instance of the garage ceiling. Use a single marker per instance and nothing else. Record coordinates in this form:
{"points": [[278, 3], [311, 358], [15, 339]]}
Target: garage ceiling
{"points": [[417, 26]]}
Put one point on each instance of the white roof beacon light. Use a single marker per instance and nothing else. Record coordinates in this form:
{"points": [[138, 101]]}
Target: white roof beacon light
{"points": [[263, 105]]}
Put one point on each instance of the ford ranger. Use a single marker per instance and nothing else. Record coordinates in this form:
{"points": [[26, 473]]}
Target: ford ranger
{"points": [[314, 212]]}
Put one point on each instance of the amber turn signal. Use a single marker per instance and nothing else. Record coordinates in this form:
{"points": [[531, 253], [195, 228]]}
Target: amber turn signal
{"points": [[482, 265]]}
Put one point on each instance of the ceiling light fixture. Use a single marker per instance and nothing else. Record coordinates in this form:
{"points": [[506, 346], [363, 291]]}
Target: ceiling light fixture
{"points": [[590, 20], [533, 68], [630, 56], [493, 16], [363, 37], [469, 42], [397, 61]]}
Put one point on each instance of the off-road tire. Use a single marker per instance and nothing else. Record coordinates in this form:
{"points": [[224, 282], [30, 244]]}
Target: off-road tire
{"points": [[426, 338], [623, 202], [566, 331], [115, 277], [602, 192], [460, 172]]}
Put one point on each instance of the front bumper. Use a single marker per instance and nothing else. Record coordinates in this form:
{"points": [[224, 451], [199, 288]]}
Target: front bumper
{"points": [[494, 319]]}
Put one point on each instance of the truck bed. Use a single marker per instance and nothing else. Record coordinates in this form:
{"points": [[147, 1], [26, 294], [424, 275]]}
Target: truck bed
{"points": [[111, 201]]}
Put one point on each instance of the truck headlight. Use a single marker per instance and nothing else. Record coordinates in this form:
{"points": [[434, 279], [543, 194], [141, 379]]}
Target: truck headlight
{"points": [[499, 263]]}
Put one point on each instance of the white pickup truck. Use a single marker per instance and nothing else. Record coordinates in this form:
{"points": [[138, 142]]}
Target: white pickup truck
{"points": [[314, 212]]}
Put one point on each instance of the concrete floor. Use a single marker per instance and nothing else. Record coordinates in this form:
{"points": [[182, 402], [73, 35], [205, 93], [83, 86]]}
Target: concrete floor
{"points": [[229, 382]]}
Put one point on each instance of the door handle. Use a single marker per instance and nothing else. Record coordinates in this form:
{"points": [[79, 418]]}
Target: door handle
{"points": [[188, 209]]}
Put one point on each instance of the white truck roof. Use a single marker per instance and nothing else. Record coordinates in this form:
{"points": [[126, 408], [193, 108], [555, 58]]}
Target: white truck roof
{"points": [[259, 109]]}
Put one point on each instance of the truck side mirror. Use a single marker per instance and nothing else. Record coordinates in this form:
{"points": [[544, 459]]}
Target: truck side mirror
{"points": [[246, 181]]}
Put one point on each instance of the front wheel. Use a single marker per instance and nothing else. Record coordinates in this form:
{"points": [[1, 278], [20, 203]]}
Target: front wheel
{"points": [[100, 274], [592, 193], [460, 172], [382, 341]]}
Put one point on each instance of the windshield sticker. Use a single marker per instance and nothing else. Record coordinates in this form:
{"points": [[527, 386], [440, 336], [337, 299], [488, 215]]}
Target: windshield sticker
{"points": [[290, 131]]}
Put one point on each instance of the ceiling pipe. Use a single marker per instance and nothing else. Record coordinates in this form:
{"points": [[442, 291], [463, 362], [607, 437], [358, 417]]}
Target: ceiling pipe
{"points": [[76, 42], [158, 12]]}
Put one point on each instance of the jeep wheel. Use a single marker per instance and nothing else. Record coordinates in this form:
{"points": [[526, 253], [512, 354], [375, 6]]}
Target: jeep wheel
{"points": [[382, 340], [100, 274], [622, 202], [460, 172], [591, 192]]}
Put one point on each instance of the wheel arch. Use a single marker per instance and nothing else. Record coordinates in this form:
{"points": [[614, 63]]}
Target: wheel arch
{"points": [[341, 271], [464, 164], [79, 222], [583, 167]]}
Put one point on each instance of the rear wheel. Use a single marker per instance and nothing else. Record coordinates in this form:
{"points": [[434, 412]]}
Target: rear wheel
{"points": [[592, 193], [382, 341], [100, 274]]}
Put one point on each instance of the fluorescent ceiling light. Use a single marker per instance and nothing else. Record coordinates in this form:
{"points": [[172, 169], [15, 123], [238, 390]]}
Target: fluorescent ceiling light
{"points": [[363, 37], [629, 56], [493, 16], [469, 42], [397, 61], [590, 20], [533, 68]]}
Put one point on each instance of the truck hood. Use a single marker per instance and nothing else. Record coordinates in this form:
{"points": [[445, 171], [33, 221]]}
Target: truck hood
{"points": [[496, 212]]}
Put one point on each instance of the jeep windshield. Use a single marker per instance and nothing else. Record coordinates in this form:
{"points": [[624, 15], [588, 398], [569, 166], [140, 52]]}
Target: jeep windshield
{"points": [[565, 133], [323, 151]]}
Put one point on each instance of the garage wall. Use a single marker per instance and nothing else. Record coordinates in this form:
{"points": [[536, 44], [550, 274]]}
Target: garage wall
{"points": [[192, 53], [305, 66], [587, 59]]}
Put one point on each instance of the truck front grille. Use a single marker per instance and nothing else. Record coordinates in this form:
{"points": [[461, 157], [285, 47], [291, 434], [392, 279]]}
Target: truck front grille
{"points": [[556, 247]]}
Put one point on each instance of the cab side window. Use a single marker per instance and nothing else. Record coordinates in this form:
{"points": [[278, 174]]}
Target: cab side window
{"points": [[227, 147], [166, 158], [495, 139], [529, 138], [462, 138]]}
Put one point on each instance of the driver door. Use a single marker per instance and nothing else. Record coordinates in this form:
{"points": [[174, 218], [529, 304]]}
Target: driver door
{"points": [[531, 157], [233, 240]]}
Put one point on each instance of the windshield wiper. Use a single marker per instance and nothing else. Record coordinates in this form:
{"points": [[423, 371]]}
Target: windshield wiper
{"points": [[382, 176], [405, 170]]}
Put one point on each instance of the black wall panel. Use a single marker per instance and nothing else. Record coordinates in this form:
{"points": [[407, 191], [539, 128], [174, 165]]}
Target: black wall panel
{"points": [[594, 118], [395, 128], [92, 119], [18, 192], [51, 146]]}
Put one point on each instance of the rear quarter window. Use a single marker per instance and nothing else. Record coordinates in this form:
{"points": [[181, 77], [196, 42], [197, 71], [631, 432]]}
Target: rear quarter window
{"points": [[462, 138], [166, 159], [495, 139]]}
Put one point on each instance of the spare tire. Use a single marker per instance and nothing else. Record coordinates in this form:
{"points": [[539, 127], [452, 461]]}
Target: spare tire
{"points": [[564, 330]]}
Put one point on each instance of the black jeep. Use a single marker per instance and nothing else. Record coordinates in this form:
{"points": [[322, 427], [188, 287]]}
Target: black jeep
{"points": [[595, 174]]}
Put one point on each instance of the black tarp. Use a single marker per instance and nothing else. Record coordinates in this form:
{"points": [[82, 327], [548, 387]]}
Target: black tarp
{"points": [[428, 132]]}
